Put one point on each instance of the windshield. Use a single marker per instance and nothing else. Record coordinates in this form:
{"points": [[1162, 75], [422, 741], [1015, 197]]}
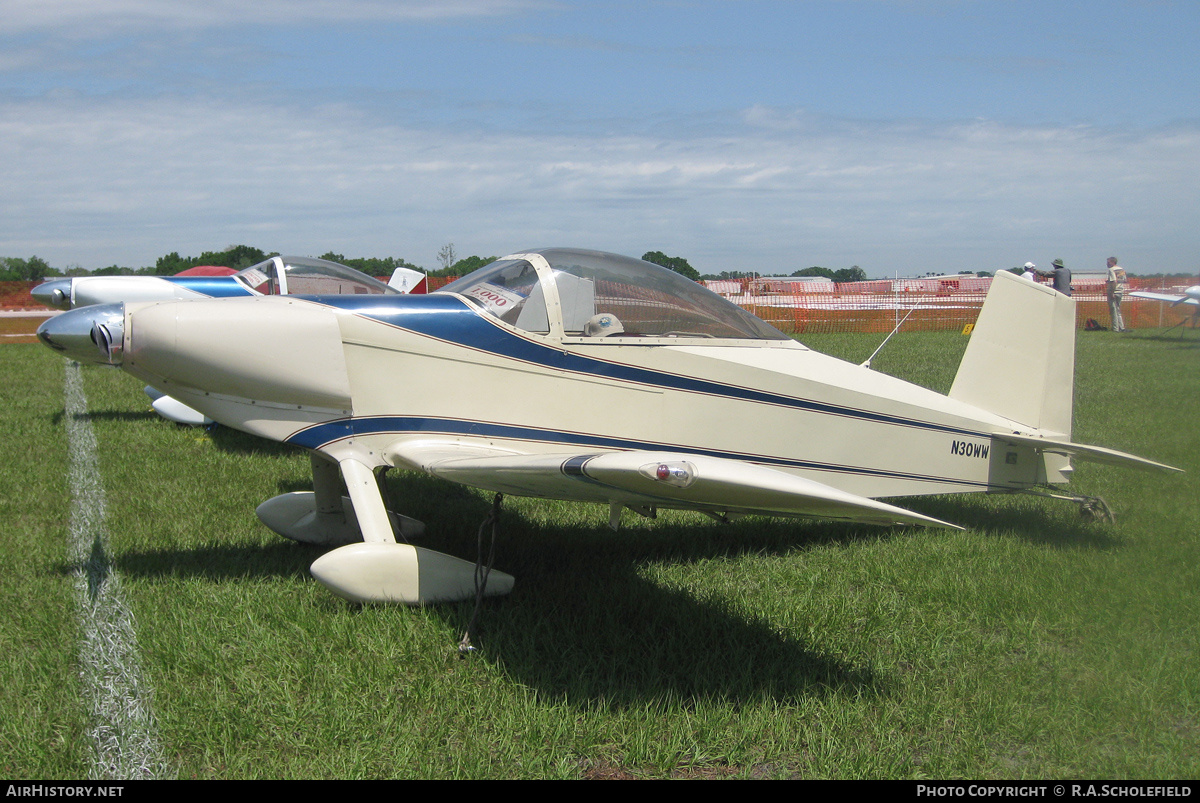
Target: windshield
{"points": [[310, 277], [646, 299], [508, 289], [606, 295]]}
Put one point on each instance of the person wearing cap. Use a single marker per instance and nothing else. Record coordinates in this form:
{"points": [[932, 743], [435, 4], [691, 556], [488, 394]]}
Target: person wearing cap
{"points": [[1030, 272], [1115, 287], [1061, 277]]}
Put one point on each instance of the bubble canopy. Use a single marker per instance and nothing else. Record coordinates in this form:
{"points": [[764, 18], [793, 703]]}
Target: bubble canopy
{"points": [[308, 276], [574, 293]]}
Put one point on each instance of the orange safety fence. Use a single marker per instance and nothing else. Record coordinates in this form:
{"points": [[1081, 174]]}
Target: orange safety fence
{"points": [[942, 303], [15, 296], [438, 282]]}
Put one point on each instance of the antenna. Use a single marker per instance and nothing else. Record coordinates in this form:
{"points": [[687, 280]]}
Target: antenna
{"points": [[867, 364]]}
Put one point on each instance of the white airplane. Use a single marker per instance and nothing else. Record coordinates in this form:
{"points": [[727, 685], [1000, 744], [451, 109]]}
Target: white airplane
{"points": [[280, 275], [580, 375], [276, 276], [1191, 297]]}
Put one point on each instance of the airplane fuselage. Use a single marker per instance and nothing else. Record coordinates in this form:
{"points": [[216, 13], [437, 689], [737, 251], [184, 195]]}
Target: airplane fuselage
{"points": [[437, 368]]}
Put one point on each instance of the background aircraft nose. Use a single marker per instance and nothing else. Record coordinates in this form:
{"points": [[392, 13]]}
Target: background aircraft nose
{"points": [[88, 334], [56, 293]]}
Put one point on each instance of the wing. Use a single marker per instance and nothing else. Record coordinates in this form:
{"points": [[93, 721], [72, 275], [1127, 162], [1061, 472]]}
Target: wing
{"points": [[659, 479], [1168, 297]]}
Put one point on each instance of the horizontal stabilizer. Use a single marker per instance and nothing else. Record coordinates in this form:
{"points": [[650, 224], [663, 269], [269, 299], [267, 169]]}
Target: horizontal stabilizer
{"points": [[661, 479], [1096, 454]]}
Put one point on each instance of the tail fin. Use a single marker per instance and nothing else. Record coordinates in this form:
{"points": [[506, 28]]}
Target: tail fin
{"points": [[1020, 362]]}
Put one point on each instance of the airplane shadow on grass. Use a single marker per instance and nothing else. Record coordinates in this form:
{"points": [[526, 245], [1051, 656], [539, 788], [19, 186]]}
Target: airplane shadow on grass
{"points": [[1047, 522], [228, 439], [1183, 338], [586, 625], [59, 417], [588, 630]]}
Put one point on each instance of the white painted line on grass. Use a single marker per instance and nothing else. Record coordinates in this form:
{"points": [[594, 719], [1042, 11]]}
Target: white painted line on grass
{"points": [[124, 733]]}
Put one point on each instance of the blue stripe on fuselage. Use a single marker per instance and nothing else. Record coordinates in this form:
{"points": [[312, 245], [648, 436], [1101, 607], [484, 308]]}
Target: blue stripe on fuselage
{"points": [[449, 318], [214, 286], [327, 433]]}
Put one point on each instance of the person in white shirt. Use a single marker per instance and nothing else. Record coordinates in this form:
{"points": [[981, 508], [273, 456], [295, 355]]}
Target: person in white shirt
{"points": [[1114, 287]]}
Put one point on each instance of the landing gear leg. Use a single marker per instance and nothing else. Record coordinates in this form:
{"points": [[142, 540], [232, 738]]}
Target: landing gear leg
{"points": [[371, 566], [380, 570], [1091, 508], [325, 517]]}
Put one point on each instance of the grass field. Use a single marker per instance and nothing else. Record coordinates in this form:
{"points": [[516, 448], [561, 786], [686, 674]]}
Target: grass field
{"points": [[1031, 645]]}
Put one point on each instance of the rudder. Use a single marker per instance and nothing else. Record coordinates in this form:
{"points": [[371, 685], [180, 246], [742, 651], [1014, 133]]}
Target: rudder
{"points": [[1020, 361]]}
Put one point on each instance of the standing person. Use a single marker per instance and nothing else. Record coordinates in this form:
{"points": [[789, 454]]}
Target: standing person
{"points": [[1061, 276], [1115, 286], [1030, 272]]}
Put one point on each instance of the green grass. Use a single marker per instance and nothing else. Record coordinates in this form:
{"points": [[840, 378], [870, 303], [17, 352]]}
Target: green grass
{"points": [[1031, 645], [41, 719]]}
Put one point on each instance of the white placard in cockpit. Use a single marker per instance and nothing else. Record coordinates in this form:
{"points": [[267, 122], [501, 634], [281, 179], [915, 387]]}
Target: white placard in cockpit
{"points": [[498, 300], [254, 277]]}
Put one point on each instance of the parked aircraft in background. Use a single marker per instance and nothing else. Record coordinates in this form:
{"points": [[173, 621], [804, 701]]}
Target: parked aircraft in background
{"points": [[208, 270], [580, 375], [276, 276], [1191, 297], [280, 275]]}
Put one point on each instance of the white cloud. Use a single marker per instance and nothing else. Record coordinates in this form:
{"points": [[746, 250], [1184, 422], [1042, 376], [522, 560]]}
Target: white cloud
{"points": [[91, 19], [97, 182]]}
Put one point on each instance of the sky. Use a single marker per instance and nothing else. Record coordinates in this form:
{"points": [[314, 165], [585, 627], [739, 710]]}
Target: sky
{"points": [[902, 136]]}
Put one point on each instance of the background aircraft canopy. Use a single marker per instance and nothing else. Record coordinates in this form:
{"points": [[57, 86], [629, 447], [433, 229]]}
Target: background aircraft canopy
{"points": [[307, 276], [600, 294]]}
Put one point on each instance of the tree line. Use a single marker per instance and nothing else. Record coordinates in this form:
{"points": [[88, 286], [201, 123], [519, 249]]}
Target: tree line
{"points": [[239, 257], [36, 269], [236, 257], [851, 274]]}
